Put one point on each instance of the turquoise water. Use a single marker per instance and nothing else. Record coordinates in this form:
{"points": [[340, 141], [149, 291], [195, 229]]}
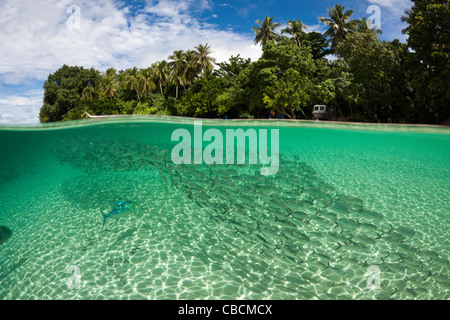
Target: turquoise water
{"points": [[347, 200]]}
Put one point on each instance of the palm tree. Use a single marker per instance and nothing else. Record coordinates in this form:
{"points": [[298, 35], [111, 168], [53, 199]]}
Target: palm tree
{"points": [[192, 68], [204, 60], [132, 81], [147, 84], [88, 93], [265, 32], [339, 24], [296, 29], [364, 25], [111, 72], [109, 87], [405, 18], [162, 74], [178, 66]]}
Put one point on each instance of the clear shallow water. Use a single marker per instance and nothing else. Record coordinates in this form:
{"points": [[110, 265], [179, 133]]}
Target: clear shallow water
{"points": [[346, 198]]}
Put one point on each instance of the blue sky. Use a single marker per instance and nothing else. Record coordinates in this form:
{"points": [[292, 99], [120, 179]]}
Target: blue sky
{"points": [[39, 36]]}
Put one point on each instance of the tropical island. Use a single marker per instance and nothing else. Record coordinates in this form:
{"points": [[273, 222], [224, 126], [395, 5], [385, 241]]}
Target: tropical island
{"points": [[367, 80]]}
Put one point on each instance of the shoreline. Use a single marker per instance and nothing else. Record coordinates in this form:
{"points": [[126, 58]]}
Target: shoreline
{"points": [[187, 121], [272, 120]]}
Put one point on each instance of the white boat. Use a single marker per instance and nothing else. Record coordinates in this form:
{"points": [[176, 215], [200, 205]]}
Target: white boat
{"points": [[94, 117], [322, 112]]}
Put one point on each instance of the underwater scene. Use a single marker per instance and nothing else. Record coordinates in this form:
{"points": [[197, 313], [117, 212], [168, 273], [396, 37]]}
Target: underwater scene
{"points": [[97, 209]]}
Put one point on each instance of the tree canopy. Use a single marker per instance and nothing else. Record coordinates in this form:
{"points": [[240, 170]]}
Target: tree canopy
{"points": [[369, 80], [429, 39]]}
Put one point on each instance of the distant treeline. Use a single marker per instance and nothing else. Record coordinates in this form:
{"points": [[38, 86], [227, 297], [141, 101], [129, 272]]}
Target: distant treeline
{"points": [[370, 80]]}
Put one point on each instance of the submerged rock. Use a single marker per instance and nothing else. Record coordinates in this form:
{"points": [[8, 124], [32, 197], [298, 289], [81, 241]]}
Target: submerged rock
{"points": [[5, 233]]}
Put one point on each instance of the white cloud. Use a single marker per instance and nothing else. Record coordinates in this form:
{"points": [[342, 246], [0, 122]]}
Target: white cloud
{"points": [[168, 8], [321, 28], [35, 39], [21, 109], [396, 6], [19, 101]]}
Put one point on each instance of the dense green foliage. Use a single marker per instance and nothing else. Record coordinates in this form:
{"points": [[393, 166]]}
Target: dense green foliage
{"points": [[370, 80], [429, 38], [63, 91], [378, 70]]}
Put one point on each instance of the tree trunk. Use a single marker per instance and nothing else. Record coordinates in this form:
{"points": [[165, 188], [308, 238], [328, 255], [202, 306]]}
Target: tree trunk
{"points": [[139, 98]]}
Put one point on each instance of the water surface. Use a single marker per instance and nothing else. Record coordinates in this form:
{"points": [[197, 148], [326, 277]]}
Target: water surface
{"points": [[347, 198]]}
